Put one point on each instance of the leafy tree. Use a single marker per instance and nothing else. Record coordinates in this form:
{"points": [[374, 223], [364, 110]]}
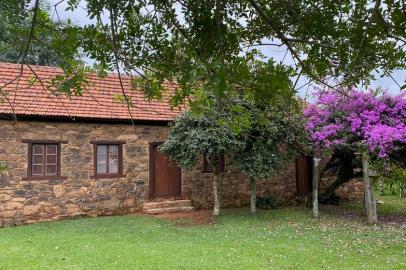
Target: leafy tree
{"points": [[396, 175], [204, 45], [192, 136], [365, 122], [45, 47], [346, 40], [361, 121], [276, 136], [392, 171], [269, 138], [208, 47], [197, 42]]}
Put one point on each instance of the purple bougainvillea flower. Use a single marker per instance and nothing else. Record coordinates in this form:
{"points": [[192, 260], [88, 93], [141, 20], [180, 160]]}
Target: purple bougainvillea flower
{"points": [[362, 117]]}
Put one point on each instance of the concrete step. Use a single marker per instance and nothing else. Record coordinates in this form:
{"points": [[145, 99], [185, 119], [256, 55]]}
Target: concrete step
{"points": [[154, 211], [168, 206], [168, 203]]}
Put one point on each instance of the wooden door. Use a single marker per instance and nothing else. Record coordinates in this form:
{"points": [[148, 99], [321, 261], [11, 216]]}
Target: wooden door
{"points": [[304, 170], [165, 175]]}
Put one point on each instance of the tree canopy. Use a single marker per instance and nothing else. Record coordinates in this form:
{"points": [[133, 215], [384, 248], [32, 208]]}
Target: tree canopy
{"points": [[275, 137], [362, 121], [192, 40], [372, 122], [210, 47], [191, 137], [46, 44], [269, 138]]}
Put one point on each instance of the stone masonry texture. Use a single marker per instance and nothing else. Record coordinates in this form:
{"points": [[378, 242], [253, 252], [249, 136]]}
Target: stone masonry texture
{"points": [[24, 202]]}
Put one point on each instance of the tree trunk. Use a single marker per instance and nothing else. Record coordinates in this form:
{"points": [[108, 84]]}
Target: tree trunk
{"points": [[216, 194], [253, 190], [345, 173], [364, 209], [315, 184], [402, 190], [370, 202]]}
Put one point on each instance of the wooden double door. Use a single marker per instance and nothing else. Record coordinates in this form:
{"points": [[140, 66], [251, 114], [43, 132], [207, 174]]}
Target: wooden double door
{"points": [[304, 173], [165, 175]]}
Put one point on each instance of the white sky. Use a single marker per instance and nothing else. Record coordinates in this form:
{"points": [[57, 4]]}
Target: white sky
{"points": [[79, 17]]}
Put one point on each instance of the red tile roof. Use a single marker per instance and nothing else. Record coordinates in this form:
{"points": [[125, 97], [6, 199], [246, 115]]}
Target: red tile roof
{"points": [[97, 101]]}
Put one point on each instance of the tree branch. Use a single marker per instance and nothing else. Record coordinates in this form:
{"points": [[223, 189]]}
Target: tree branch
{"points": [[263, 44], [308, 42], [286, 41], [114, 44], [32, 28], [364, 37]]}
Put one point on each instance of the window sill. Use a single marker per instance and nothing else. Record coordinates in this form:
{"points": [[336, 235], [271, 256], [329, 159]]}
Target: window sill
{"points": [[39, 178], [101, 176]]}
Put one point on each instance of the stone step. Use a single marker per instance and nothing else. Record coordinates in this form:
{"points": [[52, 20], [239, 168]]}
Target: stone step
{"points": [[168, 210], [167, 204]]}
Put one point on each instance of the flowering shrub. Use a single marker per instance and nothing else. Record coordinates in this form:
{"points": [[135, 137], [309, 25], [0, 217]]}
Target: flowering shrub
{"points": [[361, 120]]}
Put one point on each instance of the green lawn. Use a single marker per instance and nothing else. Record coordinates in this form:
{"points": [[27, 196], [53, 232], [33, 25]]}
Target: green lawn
{"points": [[286, 238]]}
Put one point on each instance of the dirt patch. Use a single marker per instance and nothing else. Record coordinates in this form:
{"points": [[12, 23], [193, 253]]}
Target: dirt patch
{"points": [[390, 219], [186, 219], [396, 219]]}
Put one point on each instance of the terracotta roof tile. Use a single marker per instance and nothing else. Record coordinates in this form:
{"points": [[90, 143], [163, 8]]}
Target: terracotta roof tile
{"points": [[96, 102]]}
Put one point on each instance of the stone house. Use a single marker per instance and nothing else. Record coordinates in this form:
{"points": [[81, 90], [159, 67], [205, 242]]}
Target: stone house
{"points": [[83, 156]]}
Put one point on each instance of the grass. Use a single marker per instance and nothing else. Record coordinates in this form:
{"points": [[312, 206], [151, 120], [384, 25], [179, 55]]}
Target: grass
{"points": [[392, 205], [387, 205], [286, 238]]}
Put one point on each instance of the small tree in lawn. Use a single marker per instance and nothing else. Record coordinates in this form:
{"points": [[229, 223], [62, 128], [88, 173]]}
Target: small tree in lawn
{"points": [[369, 122], [192, 136], [398, 175], [275, 137], [392, 171]]}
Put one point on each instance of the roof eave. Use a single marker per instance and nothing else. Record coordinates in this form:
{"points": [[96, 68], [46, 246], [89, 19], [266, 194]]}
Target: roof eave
{"points": [[67, 119]]}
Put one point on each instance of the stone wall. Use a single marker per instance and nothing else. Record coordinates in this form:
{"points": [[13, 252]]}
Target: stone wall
{"points": [[79, 194], [23, 202], [352, 191], [235, 187]]}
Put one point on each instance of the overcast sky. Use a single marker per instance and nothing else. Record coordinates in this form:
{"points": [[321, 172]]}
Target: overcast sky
{"points": [[79, 17]]}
